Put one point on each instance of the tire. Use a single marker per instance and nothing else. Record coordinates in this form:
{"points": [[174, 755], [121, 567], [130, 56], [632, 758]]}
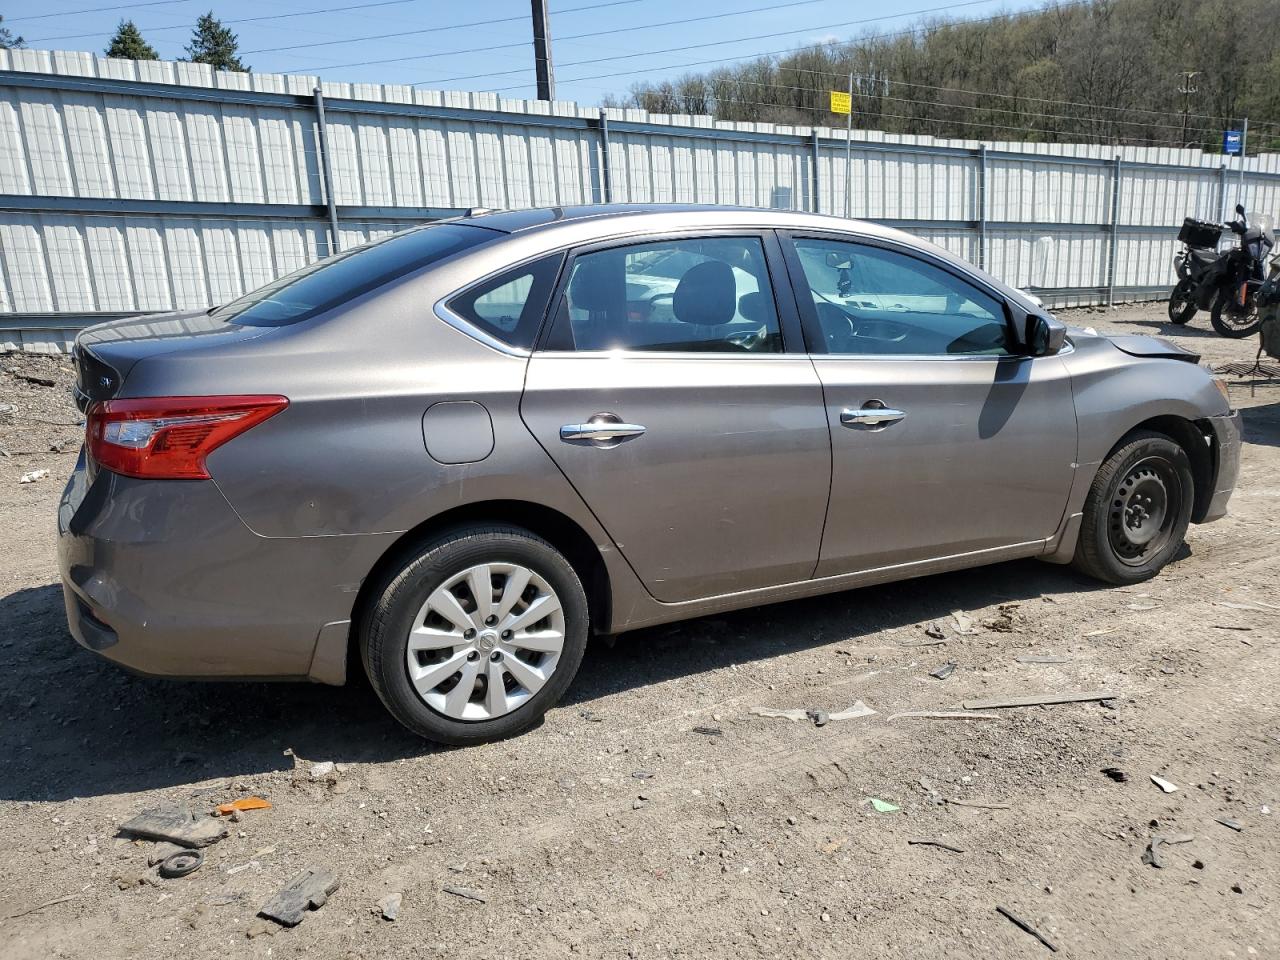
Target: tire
{"points": [[1182, 304], [1225, 322], [412, 597], [1144, 469]]}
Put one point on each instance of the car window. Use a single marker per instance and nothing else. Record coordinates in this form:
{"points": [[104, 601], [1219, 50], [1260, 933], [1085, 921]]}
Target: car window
{"points": [[872, 300], [327, 283], [510, 306], [706, 295]]}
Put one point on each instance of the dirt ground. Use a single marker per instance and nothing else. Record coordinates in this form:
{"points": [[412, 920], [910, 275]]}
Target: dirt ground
{"points": [[652, 814]]}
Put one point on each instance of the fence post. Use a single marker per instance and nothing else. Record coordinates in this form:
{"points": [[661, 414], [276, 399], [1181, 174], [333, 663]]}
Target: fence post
{"points": [[606, 181], [814, 201], [1115, 233], [1222, 193], [982, 206], [326, 173]]}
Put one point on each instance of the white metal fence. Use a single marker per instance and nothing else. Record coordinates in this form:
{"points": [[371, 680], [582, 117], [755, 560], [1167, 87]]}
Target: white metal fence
{"points": [[134, 187]]}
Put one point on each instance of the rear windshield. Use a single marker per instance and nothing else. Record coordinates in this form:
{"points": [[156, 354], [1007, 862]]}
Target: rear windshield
{"points": [[326, 283]]}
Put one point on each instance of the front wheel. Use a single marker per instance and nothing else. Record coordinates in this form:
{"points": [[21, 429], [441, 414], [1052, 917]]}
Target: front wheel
{"points": [[1137, 511], [1182, 303], [1231, 319], [476, 636]]}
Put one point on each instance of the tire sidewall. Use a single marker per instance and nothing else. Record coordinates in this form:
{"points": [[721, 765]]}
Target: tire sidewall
{"points": [[1144, 449], [387, 632], [1182, 292], [1225, 329]]}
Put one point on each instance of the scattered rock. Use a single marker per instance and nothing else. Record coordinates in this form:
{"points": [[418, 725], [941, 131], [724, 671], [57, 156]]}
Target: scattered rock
{"points": [[260, 928], [819, 717], [642, 774], [322, 770], [1116, 774], [944, 671], [1163, 784], [389, 906], [309, 890], [35, 476], [1230, 824], [935, 631]]}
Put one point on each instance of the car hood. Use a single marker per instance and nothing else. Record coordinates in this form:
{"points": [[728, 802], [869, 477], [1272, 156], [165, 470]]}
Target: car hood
{"points": [[1137, 345]]}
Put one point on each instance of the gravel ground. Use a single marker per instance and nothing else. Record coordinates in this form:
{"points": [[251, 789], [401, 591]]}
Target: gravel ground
{"points": [[652, 814]]}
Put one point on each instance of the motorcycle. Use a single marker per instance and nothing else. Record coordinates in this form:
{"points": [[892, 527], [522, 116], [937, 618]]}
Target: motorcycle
{"points": [[1236, 309], [1223, 282]]}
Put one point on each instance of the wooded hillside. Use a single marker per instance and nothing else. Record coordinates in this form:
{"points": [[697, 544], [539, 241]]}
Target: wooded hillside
{"points": [[1106, 70]]}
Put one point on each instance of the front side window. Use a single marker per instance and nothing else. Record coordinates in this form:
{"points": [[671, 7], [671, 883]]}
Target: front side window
{"points": [[869, 300], [703, 295], [510, 307], [325, 284]]}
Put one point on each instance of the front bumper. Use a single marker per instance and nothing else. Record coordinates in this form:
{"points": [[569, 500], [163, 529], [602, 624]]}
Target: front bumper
{"points": [[164, 578], [1226, 446]]}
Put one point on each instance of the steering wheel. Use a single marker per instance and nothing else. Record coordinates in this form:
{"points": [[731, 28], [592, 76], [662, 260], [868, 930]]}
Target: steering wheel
{"points": [[746, 339], [837, 325]]}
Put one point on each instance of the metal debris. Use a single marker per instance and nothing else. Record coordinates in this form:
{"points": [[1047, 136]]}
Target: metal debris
{"points": [[935, 843], [176, 825], [1023, 925], [466, 893], [944, 671], [1041, 658], [309, 890], [1116, 774], [1036, 700], [859, 709], [1230, 824]]}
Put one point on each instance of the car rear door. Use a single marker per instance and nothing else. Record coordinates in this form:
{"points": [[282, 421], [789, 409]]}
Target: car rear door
{"points": [[673, 391], [944, 441]]}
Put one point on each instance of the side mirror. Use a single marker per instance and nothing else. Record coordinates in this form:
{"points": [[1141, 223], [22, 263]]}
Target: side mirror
{"points": [[838, 261], [1240, 209], [1044, 336]]}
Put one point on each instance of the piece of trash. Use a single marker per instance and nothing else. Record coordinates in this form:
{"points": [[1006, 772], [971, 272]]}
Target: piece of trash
{"points": [[859, 709], [1256, 607], [642, 774], [944, 671], [1037, 700], [882, 806], [834, 846], [244, 803], [1143, 606], [41, 906], [934, 843], [1227, 626], [709, 731], [1230, 824], [1026, 927], [162, 850], [936, 631], [466, 893], [309, 890], [251, 865], [978, 805], [1041, 658], [1151, 855], [319, 771], [389, 906], [792, 715], [923, 643], [944, 715], [34, 476], [1164, 784], [963, 622], [591, 717], [1116, 774], [819, 717], [181, 863], [176, 825], [1101, 633]]}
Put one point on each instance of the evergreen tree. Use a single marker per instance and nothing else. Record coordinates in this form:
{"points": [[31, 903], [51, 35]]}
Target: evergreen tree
{"points": [[214, 44], [7, 40], [128, 44]]}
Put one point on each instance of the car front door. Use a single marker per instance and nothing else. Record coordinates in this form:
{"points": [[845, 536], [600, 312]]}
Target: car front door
{"points": [[945, 441], [673, 391]]}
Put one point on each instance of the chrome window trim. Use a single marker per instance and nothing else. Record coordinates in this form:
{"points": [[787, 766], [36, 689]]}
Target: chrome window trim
{"points": [[464, 326]]}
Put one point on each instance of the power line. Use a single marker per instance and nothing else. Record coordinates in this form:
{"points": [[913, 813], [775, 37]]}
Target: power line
{"points": [[74, 13]]}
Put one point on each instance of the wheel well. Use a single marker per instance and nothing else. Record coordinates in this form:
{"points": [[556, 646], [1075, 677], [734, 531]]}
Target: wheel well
{"points": [[1196, 441], [554, 527]]}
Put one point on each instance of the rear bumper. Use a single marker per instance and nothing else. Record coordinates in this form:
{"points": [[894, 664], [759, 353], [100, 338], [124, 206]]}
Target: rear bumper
{"points": [[163, 578], [1226, 448]]}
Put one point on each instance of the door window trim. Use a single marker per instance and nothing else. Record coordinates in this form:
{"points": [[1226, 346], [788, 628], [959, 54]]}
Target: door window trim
{"points": [[789, 322], [816, 342], [445, 312]]}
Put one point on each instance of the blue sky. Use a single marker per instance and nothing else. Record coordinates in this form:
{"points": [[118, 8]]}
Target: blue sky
{"points": [[493, 56]]}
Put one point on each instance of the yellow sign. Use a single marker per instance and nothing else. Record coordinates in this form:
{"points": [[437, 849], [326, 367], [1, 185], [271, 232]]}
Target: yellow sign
{"points": [[841, 102]]}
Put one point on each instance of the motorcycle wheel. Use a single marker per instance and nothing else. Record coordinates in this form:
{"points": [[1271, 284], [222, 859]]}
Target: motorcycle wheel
{"points": [[1232, 320], [1182, 305]]}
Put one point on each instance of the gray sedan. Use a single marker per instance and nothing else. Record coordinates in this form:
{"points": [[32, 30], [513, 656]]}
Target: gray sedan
{"points": [[449, 456]]}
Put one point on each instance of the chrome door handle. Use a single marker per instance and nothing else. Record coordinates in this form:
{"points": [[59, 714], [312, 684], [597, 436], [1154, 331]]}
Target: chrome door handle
{"points": [[870, 416], [601, 428]]}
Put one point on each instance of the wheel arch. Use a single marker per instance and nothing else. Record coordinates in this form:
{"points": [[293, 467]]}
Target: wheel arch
{"points": [[1195, 437], [561, 531]]}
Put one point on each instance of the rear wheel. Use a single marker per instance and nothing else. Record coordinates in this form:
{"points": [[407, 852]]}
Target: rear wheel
{"points": [[1231, 319], [1137, 511], [477, 636], [1182, 305]]}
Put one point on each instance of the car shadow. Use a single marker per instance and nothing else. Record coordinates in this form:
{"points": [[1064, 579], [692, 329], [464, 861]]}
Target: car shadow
{"points": [[1164, 328], [75, 725], [1262, 424]]}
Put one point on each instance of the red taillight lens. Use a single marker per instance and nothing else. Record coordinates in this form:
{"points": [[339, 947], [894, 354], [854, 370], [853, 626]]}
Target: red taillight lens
{"points": [[169, 437]]}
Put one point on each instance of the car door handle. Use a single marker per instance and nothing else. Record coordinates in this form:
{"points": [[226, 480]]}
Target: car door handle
{"points": [[600, 429], [870, 416]]}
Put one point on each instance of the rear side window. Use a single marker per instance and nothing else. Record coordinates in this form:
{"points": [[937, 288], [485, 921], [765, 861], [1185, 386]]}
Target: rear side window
{"points": [[510, 306], [335, 280]]}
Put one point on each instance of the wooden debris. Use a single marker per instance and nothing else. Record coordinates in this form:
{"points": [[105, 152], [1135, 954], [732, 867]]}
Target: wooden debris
{"points": [[40, 906], [1103, 632], [1041, 658], [1230, 824], [1036, 700], [978, 806], [466, 893], [934, 843], [1023, 925], [792, 715], [944, 715], [922, 643], [176, 825], [309, 890]]}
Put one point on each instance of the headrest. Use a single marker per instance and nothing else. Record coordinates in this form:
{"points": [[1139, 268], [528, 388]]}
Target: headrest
{"points": [[706, 295], [594, 281], [753, 306]]}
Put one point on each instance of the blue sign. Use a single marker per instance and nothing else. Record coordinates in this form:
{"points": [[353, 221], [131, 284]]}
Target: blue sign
{"points": [[1231, 142]]}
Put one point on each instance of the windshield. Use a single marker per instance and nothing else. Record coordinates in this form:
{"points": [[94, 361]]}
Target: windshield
{"points": [[327, 283]]}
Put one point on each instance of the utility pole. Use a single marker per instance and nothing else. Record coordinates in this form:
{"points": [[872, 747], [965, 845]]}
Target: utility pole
{"points": [[1244, 153], [848, 155], [1187, 88], [542, 51]]}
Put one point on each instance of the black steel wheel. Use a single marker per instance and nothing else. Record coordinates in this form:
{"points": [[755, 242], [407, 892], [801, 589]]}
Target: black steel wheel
{"points": [[1182, 304]]}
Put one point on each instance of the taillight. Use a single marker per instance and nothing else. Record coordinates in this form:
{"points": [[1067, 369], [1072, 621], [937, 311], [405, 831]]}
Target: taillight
{"points": [[169, 437]]}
